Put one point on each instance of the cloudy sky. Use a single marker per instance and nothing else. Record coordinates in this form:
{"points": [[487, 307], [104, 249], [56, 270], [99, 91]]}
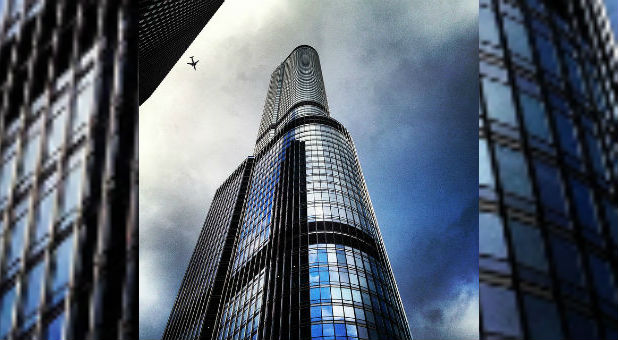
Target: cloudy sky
{"points": [[401, 76]]}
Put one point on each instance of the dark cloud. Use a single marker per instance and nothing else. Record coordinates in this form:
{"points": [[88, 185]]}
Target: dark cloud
{"points": [[400, 75]]}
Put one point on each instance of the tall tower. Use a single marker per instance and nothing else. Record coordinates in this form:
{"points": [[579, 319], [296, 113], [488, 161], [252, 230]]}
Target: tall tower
{"points": [[68, 170], [166, 29], [548, 171], [291, 248]]}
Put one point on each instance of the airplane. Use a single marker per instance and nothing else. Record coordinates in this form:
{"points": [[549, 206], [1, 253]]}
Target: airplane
{"points": [[193, 63]]}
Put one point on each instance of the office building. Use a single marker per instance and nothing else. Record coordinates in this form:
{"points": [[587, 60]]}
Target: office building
{"points": [[548, 171], [166, 29], [291, 248], [68, 170]]}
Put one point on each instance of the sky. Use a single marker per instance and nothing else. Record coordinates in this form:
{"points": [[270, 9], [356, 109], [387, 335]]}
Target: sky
{"points": [[401, 76]]}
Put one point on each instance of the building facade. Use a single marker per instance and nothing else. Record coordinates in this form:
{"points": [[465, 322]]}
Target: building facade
{"points": [[548, 171], [166, 29], [294, 250], [68, 170]]}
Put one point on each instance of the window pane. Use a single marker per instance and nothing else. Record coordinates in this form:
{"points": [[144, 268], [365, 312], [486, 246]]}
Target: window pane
{"points": [[534, 117], [491, 235], [581, 327], [528, 245], [63, 256], [17, 240], [33, 294], [7, 311], [603, 280], [547, 54], [541, 309], [566, 132], [72, 189], [488, 30], [517, 38], [567, 260], [513, 172], [55, 134], [583, 203], [486, 175], [6, 176], [54, 330], [499, 102], [550, 186], [499, 310]]}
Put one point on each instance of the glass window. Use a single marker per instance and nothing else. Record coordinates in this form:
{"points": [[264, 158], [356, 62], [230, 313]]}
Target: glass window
{"points": [[534, 116], [499, 310], [84, 106], [72, 189], [491, 235], [603, 280], [611, 215], [44, 214], [566, 132], [583, 203], [55, 134], [63, 259], [513, 172], [6, 314], [581, 327], [574, 75], [566, 260], [488, 30], [6, 176], [550, 186], [486, 175], [33, 294], [541, 309], [517, 37], [595, 152], [55, 328], [499, 102], [528, 245], [547, 54], [17, 239], [30, 154]]}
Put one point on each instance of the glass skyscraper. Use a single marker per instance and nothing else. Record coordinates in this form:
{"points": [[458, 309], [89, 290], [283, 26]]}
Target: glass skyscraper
{"points": [[548, 171], [291, 248], [166, 29], [68, 170]]}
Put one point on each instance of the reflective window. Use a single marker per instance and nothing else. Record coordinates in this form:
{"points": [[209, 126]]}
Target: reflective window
{"points": [[55, 328], [32, 295], [566, 260], [611, 215], [594, 150], [6, 315], [486, 175], [602, 276], [241, 316], [547, 54], [550, 186], [29, 154], [499, 102], [513, 172], [517, 38], [541, 309], [581, 327], [584, 208], [491, 235], [566, 132], [18, 235], [499, 310], [534, 116], [488, 29], [62, 261], [528, 245], [6, 176], [72, 189]]}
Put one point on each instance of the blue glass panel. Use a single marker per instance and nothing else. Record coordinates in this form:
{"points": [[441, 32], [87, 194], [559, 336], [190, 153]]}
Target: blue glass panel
{"points": [[7, 311], [566, 260], [513, 171], [486, 175], [603, 280], [581, 327], [566, 132], [517, 38], [534, 117], [491, 235], [488, 29], [499, 102], [528, 245], [550, 186], [54, 330], [541, 309], [583, 203], [33, 292], [547, 54], [499, 310]]}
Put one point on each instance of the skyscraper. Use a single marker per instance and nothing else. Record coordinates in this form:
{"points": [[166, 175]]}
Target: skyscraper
{"points": [[548, 171], [290, 248], [166, 29], [68, 170]]}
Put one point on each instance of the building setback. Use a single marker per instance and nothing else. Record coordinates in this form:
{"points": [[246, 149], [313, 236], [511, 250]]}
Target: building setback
{"points": [[166, 29], [291, 248], [68, 170], [548, 171]]}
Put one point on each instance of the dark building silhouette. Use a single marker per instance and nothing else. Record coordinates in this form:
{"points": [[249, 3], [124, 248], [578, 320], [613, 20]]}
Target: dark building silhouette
{"points": [[548, 171], [291, 248], [166, 29], [68, 170]]}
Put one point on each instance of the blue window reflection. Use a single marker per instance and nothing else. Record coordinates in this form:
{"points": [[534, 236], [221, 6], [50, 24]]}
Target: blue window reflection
{"points": [[534, 116], [7, 311], [55, 328], [550, 186], [528, 245], [500, 313], [499, 102], [541, 309], [513, 171], [517, 38]]}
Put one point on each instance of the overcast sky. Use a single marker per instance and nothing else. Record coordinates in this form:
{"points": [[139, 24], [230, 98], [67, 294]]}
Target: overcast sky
{"points": [[401, 76]]}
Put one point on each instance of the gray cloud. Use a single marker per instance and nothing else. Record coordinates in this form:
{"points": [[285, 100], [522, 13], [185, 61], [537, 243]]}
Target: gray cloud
{"points": [[395, 72]]}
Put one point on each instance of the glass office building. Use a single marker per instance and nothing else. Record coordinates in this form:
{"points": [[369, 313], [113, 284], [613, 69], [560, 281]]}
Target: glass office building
{"points": [[291, 248], [166, 29], [548, 171], [68, 170]]}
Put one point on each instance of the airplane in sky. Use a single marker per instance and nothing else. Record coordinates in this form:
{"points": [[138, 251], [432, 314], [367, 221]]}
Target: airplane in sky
{"points": [[193, 63]]}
